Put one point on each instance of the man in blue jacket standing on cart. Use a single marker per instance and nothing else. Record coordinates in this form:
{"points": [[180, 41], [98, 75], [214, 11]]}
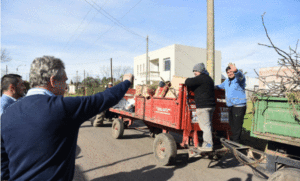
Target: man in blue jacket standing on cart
{"points": [[235, 99]]}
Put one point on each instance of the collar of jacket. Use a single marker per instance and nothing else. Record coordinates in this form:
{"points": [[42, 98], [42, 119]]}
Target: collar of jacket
{"points": [[7, 96], [40, 91]]}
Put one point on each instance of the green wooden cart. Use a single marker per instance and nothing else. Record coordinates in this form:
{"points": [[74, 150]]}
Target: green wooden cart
{"points": [[274, 120]]}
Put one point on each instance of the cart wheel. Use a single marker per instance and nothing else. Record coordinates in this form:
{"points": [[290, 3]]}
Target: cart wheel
{"points": [[95, 123], [117, 128], [92, 120], [165, 149], [98, 120], [292, 174]]}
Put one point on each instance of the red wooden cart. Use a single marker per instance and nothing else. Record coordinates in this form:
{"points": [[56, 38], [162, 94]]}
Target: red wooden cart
{"points": [[171, 114]]}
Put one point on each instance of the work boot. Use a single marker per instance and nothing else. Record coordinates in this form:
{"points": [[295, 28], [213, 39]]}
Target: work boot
{"points": [[205, 147]]}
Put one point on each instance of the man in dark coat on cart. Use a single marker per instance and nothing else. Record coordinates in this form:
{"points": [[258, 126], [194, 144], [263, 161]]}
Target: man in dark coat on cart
{"points": [[203, 87]]}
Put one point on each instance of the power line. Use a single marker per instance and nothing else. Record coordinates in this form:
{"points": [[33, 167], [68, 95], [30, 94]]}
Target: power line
{"points": [[86, 25], [77, 29], [112, 25], [84, 63], [114, 20], [115, 24]]}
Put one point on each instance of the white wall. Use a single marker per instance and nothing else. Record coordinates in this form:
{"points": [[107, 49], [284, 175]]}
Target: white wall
{"points": [[183, 58], [160, 54], [187, 56], [251, 82]]}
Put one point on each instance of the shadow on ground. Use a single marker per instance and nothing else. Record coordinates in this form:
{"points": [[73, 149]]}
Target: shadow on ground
{"points": [[146, 173], [78, 174], [135, 136], [78, 150], [249, 178], [157, 173], [256, 143]]}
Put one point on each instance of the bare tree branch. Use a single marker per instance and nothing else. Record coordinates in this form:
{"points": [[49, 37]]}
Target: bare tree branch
{"points": [[288, 82], [5, 56]]}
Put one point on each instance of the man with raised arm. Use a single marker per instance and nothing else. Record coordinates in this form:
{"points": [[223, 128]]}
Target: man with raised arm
{"points": [[39, 132], [235, 99]]}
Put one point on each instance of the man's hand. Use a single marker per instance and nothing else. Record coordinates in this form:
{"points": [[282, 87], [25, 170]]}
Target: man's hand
{"points": [[128, 77], [232, 67]]}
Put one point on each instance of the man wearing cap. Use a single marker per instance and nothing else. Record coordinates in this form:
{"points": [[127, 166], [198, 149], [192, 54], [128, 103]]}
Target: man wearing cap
{"points": [[110, 85], [203, 87], [235, 99]]}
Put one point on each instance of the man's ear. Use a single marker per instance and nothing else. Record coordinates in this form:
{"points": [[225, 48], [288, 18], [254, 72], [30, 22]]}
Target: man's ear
{"points": [[12, 88], [52, 81]]}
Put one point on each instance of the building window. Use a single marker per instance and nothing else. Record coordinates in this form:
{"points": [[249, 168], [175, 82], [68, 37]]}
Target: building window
{"points": [[137, 70], [143, 67], [167, 64], [140, 68]]}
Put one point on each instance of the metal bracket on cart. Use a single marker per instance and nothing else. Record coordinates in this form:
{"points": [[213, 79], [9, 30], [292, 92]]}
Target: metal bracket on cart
{"points": [[271, 161]]}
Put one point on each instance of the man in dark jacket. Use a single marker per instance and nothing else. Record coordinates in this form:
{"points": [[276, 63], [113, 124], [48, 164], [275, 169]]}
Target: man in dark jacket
{"points": [[39, 132], [203, 87], [12, 88]]}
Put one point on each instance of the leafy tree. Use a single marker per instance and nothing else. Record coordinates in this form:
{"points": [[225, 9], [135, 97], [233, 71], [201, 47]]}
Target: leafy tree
{"points": [[90, 82]]}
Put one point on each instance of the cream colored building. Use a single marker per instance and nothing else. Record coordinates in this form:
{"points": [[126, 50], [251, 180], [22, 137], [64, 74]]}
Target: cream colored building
{"points": [[177, 60], [269, 75]]}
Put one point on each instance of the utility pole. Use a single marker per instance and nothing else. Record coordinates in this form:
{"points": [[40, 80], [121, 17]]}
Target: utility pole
{"points": [[83, 74], [85, 89], [77, 76], [147, 62], [6, 70], [210, 47], [111, 75]]}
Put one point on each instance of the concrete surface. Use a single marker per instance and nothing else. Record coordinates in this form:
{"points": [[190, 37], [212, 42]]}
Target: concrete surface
{"points": [[101, 157]]}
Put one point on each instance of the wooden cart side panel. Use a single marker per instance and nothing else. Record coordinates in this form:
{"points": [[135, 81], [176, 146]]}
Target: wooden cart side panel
{"points": [[164, 110], [273, 120], [183, 109], [221, 115], [180, 112], [140, 106], [218, 124]]}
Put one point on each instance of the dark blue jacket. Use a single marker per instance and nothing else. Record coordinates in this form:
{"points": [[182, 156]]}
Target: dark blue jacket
{"points": [[39, 132]]}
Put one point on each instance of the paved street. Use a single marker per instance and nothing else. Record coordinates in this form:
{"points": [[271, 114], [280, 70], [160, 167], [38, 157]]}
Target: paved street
{"points": [[101, 157]]}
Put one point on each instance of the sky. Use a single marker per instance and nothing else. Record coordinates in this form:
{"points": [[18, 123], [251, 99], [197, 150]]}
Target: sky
{"points": [[85, 34]]}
